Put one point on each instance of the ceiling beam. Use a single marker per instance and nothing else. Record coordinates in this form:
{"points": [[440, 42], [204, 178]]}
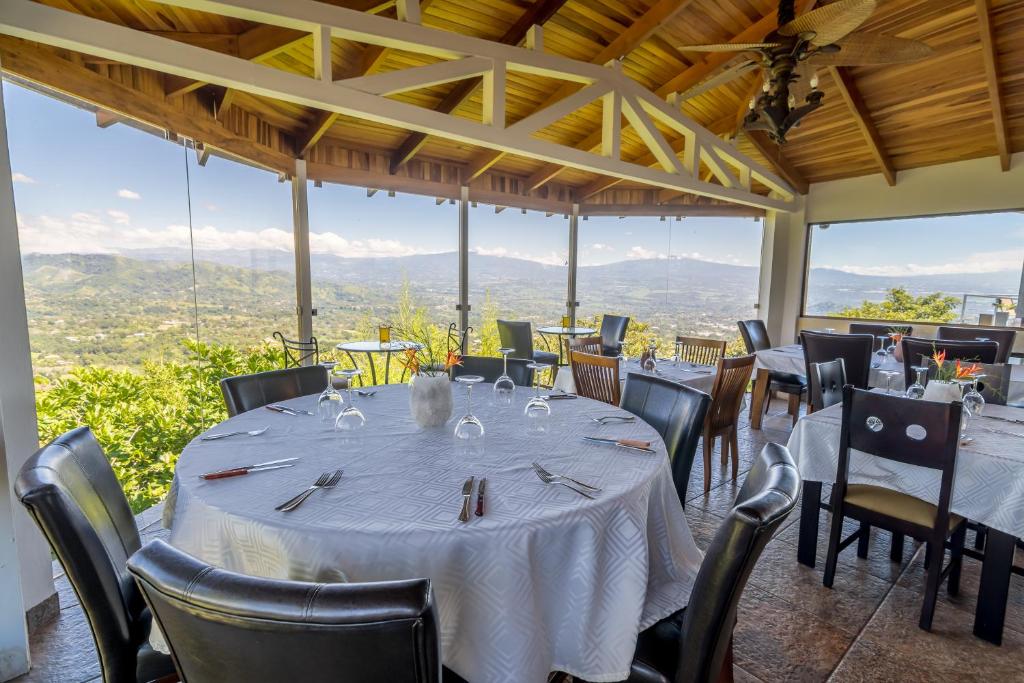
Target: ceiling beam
{"points": [[771, 151], [538, 13], [847, 88], [638, 32], [988, 52], [105, 119]]}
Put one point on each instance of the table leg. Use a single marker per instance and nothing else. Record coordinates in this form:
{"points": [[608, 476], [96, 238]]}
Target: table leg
{"points": [[355, 366], [995, 586], [373, 370], [387, 367], [760, 393], [810, 507]]}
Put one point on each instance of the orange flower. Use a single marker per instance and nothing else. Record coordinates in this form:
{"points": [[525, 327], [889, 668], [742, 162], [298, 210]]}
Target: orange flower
{"points": [[897, 338], [939, 357], [965, 371], [411, 362], [452, 360]]}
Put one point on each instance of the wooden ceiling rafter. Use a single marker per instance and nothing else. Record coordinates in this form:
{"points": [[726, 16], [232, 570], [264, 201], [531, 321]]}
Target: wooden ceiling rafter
{"points": [[847, 87], [536, 15], [990, 59], [771, 151]]}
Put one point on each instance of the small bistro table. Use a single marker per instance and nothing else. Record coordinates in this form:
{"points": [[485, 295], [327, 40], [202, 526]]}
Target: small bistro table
{"points": [[372, 347], [560, 332], [988, 489]]}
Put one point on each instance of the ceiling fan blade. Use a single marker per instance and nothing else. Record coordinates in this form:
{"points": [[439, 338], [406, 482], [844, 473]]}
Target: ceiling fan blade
{"points": [[872, 48], [721, 79], [831, 22], [726, 47]]}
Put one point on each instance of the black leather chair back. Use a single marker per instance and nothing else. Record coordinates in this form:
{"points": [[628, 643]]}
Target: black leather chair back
{"points": [[230, 628], [1004, 337], [491, 368], [767, 496], [827, 382], [917, 351], [995, 385], [676, 411], [73, 495], [755, 335], [881, 329], [854, 349], [613, 331], [248, 392], [516, 335]]}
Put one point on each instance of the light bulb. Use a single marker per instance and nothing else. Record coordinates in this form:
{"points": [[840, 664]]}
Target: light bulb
{"points": [[765, 87], [814, 81], [792, 101], [752, 104]]}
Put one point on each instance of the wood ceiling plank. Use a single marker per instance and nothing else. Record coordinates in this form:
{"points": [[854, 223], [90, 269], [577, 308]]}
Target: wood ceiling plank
{"points": [[770, 151], [988, 52], [847, 88]]}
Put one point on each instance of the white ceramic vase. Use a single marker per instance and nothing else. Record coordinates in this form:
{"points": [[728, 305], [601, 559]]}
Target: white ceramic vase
{"points": [[942, 392], [430, 399]]}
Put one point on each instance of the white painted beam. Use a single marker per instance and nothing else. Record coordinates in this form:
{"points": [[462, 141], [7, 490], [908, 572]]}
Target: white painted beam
{"points": [[494, 96], [611, 125], [322, 65], [403, 80], [300, 237]]}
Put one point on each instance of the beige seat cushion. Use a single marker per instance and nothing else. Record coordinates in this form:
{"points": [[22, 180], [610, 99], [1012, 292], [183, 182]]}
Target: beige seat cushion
{"points": [[895, 504]]}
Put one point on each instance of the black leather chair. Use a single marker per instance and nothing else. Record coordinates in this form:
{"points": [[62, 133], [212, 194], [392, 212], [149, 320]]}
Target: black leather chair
{"points": [[73, 495], [1004, 337], [491, 368], [694, 644], [755, 338], [917, 351], [231, 628], [854, 349], [676, 411], [518, 335], [248, 392], [881, 329], [995, 385], [613, 331], [827, 382]]}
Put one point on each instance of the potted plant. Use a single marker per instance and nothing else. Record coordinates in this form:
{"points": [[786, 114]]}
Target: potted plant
{"points": [[430, 389], [944, 387]]}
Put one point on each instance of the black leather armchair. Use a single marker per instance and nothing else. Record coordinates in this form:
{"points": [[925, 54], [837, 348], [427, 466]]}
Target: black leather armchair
{"points": [[613, 331], [692, 645], [518, 335], [755, 338], [232, 628], [71, 492], [491, 368], [676, 411], [248, 392], [854, 349], [1005, 337]]}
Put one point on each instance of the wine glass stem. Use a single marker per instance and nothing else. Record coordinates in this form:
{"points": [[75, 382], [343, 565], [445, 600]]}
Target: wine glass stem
{"points": [[469, 399], [504, 367]]}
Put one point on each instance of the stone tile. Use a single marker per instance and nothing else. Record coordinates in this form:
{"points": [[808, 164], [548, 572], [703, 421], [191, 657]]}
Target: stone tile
{"points": [[63, 651], [776, 641], [743, 676], [869, 663], [703, 525]]}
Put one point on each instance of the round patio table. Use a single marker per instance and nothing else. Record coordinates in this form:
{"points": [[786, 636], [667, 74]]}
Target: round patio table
{"points": [[372, 347], [571, 332], [523, 589]]}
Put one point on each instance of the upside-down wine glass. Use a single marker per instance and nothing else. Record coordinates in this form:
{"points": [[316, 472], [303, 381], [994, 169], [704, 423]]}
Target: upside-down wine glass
{"points": [[504, 387], [469, 431], [351, 419], [916, 390], [330, 401], [678, 355], [973, 399], [880, 354], [650, 364], [537, 410]]}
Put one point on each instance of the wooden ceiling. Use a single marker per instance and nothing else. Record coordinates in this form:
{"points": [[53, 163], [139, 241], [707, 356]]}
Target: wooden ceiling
{"points": [[965, 101]]}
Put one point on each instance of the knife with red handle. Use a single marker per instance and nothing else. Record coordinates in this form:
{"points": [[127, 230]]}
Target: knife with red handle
{"points": [[246, 469], [480, 497]]}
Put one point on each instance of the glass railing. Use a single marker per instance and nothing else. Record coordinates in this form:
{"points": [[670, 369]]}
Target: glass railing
{"points": [[998, 310]]}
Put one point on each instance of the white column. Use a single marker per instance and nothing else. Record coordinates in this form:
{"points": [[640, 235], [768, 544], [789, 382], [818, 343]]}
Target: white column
{"points": [[26, 577], [783, 260], [463, 306], [574, 237], [300, 234]]}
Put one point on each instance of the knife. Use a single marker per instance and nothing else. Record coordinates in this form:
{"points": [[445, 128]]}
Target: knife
{"points": [[246, 469], [621, 443], [286, 409], [467, 493], [281, 409], [550, 397], [1005, 419], [480, 497]]}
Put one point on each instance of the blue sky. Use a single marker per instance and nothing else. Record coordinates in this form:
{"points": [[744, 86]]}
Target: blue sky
{"points": [[85, 189]]}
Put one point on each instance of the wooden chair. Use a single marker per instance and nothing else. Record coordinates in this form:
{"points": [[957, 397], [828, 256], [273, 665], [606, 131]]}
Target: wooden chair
{"points": [[596, 377], [700, 351], [298, 352], [726, 399], [591, 345], [921, 433]]}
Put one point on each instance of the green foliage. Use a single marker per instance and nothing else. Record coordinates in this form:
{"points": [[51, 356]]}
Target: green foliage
{"points": [[899, 304]]}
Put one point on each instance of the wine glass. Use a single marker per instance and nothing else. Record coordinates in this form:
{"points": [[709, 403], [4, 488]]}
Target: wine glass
{"points": [[829, 330], [880, 354], [537, 410], [504, 387], [678, 355], [650, 364], [622, 352], [888, 375], [351, 419], [329, 403], [469, 431], [890, 350], [973, 400], [916, 390]]}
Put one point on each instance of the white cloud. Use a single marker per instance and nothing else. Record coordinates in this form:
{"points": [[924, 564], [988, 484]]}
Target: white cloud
{"points": [[550, 259], [22, 178], [639, 252], [977, 262], [598, 246], [125, 193], [119, 217]]}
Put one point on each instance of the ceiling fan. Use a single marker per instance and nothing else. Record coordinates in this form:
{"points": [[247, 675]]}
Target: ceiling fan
{"points": [[788, 57]]}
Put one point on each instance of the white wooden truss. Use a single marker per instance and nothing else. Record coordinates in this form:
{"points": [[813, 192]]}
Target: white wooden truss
{"points": [[460, 57]]}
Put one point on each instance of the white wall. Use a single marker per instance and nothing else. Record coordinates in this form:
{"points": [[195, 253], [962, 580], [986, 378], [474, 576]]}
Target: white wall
{"points": [[782, 265]]}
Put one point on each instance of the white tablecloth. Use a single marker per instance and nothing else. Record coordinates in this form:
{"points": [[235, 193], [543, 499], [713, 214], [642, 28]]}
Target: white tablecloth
{"points": [[989, 482], [546, 580], [790, 358], [700, 377]]}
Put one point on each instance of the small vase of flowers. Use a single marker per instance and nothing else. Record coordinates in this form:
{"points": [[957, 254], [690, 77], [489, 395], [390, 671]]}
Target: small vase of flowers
{"points": [[944, 387], [430, 387]]}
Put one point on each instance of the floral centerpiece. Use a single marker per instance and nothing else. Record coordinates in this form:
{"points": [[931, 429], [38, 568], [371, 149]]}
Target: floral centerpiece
{"points": [[430, 390], [945, 385]]}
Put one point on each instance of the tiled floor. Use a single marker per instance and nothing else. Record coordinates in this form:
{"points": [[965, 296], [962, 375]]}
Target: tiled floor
{"points": [[790, 628]]}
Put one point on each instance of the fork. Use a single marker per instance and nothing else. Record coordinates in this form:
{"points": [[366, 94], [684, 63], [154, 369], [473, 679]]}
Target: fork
{"points": [[214, 437], [550, 479], [327, 480], [540, 470]]}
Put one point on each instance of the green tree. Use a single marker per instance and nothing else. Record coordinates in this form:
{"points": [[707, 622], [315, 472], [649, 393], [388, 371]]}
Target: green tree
{"points": [[899, 304]]}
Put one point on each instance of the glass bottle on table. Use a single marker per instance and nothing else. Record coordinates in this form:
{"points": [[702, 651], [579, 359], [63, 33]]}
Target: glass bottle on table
{"points": [[650, 363]]}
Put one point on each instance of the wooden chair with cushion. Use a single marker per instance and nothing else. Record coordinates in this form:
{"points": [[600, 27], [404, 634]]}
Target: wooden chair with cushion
{"points": [[726, 399], [921, 433], [297, 352], [596, 377], [917, 352], [827, 382], [694, 645], [881, 329], [590, 345], [700, 351], [1004, 337]]}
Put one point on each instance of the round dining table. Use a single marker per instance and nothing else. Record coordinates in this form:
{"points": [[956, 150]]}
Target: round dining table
{"points": [[561, 333], [371, 347], [545, 580]]}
